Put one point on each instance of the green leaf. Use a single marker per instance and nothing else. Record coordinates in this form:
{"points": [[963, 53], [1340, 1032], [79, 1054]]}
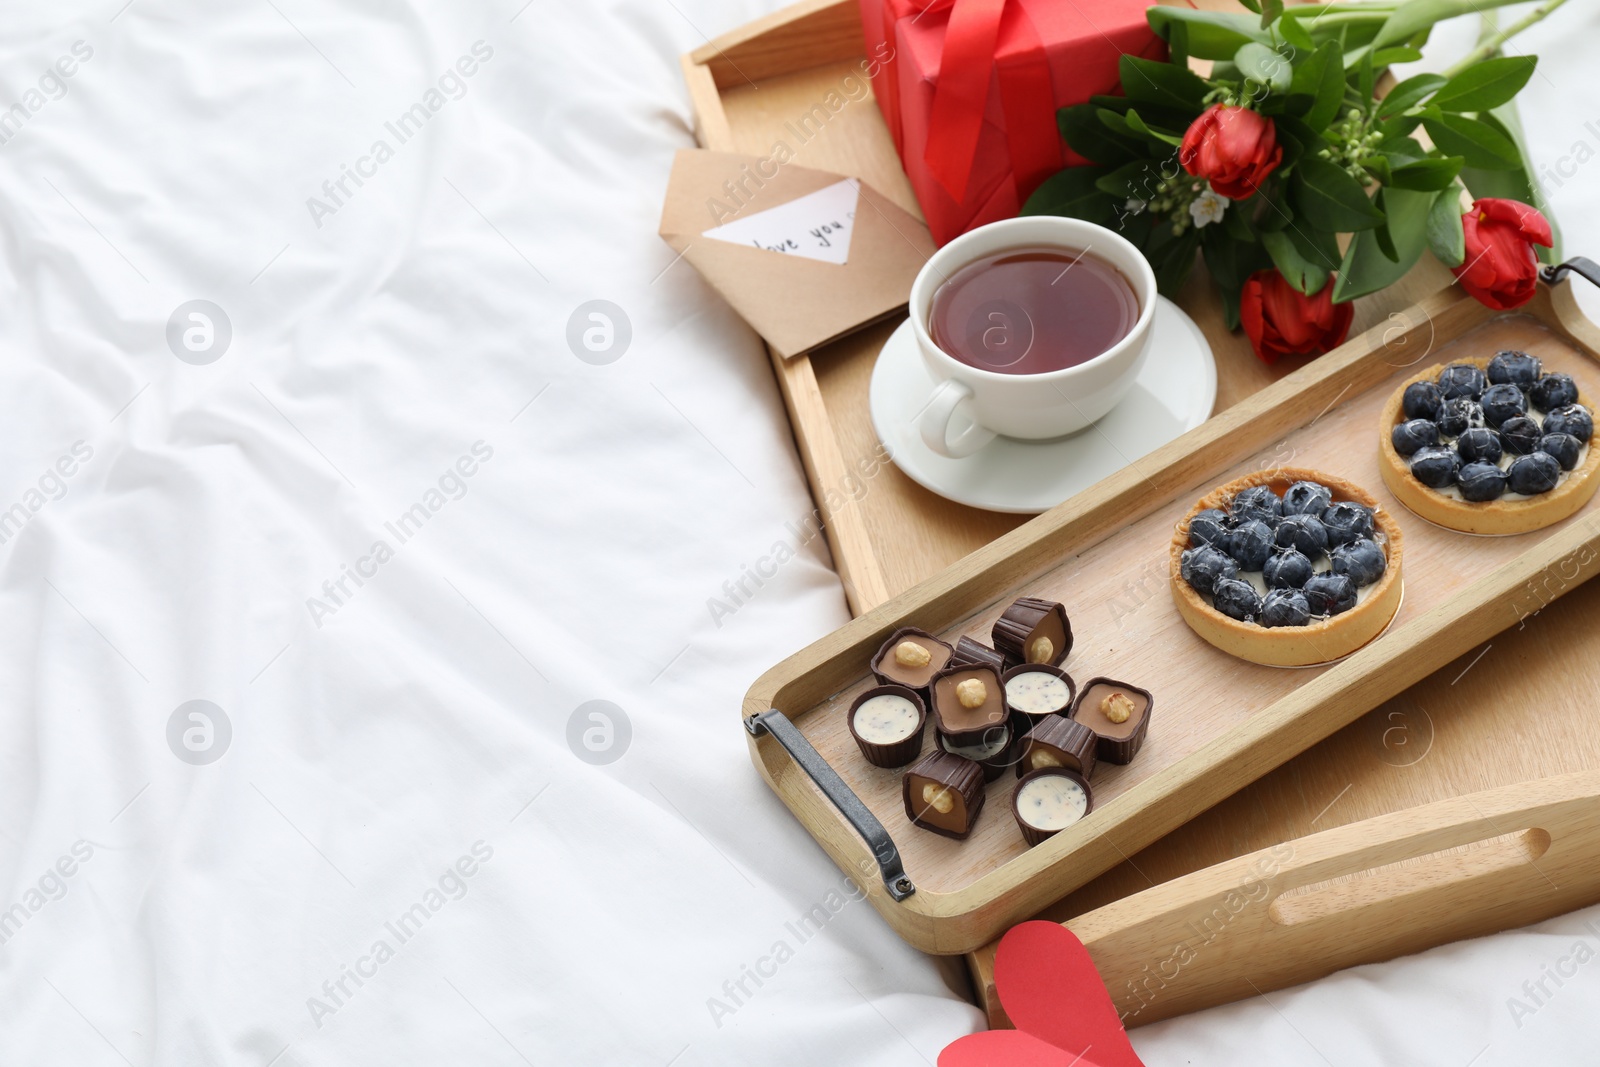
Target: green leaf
{"points": [[1260, 63], [1319, 80], [1162, 84], [1327, 197], [1366, 268], [1073, 193], [1477, 142], [1388, 57], [1486, 85], [1270, 11], [1139, 126], [1212, 34], [1296, 35], [1409, 94], [1083, 131], [1516, 183], [1176, 263], [1137, 180], [1416, 16], [1303, 274], [1384, 238], [1252, 5], [1366, 77], [1428, 175], [1295, 137], [1445, 234], [1316, 246]]}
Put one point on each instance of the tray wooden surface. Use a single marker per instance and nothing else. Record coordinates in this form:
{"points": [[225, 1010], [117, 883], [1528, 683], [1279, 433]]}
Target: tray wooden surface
{"points": [[1219, 722], [1449, 734]]}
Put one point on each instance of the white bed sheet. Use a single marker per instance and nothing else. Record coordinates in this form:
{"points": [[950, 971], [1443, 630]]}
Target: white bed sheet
{"points": [[399, 855]]}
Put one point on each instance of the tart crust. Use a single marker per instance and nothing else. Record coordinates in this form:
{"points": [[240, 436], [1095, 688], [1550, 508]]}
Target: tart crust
{"points": [[1323, 640], [1488, 516]]}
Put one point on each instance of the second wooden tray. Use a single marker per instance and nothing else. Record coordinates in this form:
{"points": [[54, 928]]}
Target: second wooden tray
{"points": [[1220, 723]]}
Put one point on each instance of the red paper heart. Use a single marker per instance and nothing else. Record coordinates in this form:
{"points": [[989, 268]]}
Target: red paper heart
{"points": [[1056, 999]]}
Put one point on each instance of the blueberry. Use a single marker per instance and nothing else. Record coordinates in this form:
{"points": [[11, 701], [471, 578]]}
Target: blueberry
{"points": [[1407, 437], [1237, 599], [1250, 544], [1563, 446], [1461, 379], [1520, 435], [1258, 502], [1571, 418], [1208, 527], [1346, 521], [1460, 414], [1304, 532], [1436, 467], [1330, 594], [1285, 607], [1481, 481], [1306, 498], [1502, 402], [1362, 561], [1479, 446], [1511, 367], [1532, 475], [1421, 400], [1287, 569], [1202, 567], [1553, 391]]}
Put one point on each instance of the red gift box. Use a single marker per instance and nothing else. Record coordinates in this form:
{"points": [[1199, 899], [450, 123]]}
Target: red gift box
{"points": [[970, 90]]}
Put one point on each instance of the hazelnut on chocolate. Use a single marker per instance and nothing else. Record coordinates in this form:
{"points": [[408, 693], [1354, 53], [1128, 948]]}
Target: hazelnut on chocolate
{"points": [[1119, 715], [1033, 631], [966, 702], [910, 657], [1057, 741], [944, 794]]}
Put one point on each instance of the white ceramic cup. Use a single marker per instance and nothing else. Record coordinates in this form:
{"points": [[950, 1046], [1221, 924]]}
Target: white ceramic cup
{"points": [[971, 406]]}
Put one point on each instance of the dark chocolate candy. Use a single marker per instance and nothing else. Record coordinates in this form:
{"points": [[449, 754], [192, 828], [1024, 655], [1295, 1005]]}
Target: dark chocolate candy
{"points": [[888, 753], [953, 719], [1033, 800], [970, 653], [1032, 709], [1057, 741], [1118, 742], [994, 751], [942, 780], [889, 671], [1018, 632]]}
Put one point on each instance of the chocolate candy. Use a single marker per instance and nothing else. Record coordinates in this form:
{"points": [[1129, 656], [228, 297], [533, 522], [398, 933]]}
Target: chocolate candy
{"points": [[966, 702], [1036, 690], [970, 653], [993, 751], [944, 793], [887, 723], [910, 657], [1048, 801], [1033, 631], [1057, 741], [1118, 713]]}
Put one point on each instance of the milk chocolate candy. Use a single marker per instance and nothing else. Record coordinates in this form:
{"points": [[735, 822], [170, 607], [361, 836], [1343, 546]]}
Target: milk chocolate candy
{"points": [[1102, 702], [970, 653], [1038, 690], [887, 723], [1033, 631], [910, 657], [1048, 801], [966, 702], [944, 793], [1057, 741], [993, 752]]}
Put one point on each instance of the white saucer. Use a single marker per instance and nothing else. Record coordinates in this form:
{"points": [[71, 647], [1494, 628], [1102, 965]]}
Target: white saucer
{"points": [[1173, 394]]}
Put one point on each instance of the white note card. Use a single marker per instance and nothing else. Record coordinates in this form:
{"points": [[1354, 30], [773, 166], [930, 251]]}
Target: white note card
{"points": [[816, 226]]}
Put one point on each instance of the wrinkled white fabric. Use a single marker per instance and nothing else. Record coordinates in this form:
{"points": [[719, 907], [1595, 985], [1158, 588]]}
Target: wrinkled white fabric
{"points": [[397, 535]]}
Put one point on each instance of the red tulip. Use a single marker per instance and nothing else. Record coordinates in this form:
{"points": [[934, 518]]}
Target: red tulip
{"points": [[1500, 269], [1282, 321], [1233, 148]]}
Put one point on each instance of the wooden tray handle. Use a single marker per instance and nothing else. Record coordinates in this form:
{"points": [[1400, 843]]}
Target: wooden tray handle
{"points": [[1361, 893]]}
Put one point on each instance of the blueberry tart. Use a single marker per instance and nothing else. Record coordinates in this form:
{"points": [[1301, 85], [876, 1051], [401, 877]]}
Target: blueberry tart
{"points": [[1496, 446], [1318, 583]]}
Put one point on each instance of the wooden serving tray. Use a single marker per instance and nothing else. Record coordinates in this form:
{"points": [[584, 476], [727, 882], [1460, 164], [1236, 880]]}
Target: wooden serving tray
{"points": [[1219, 722]]}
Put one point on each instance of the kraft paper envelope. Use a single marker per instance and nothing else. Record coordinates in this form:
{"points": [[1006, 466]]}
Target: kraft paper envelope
{"points": [[803, 255]]}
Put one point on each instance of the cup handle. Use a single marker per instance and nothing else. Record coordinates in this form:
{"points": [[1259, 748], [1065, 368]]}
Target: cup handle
{"points": [[947, 399]]}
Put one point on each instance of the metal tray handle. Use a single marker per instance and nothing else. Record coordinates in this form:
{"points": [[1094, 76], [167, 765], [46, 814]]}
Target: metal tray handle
{"points": [[776, 724], [1579, 265]]}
